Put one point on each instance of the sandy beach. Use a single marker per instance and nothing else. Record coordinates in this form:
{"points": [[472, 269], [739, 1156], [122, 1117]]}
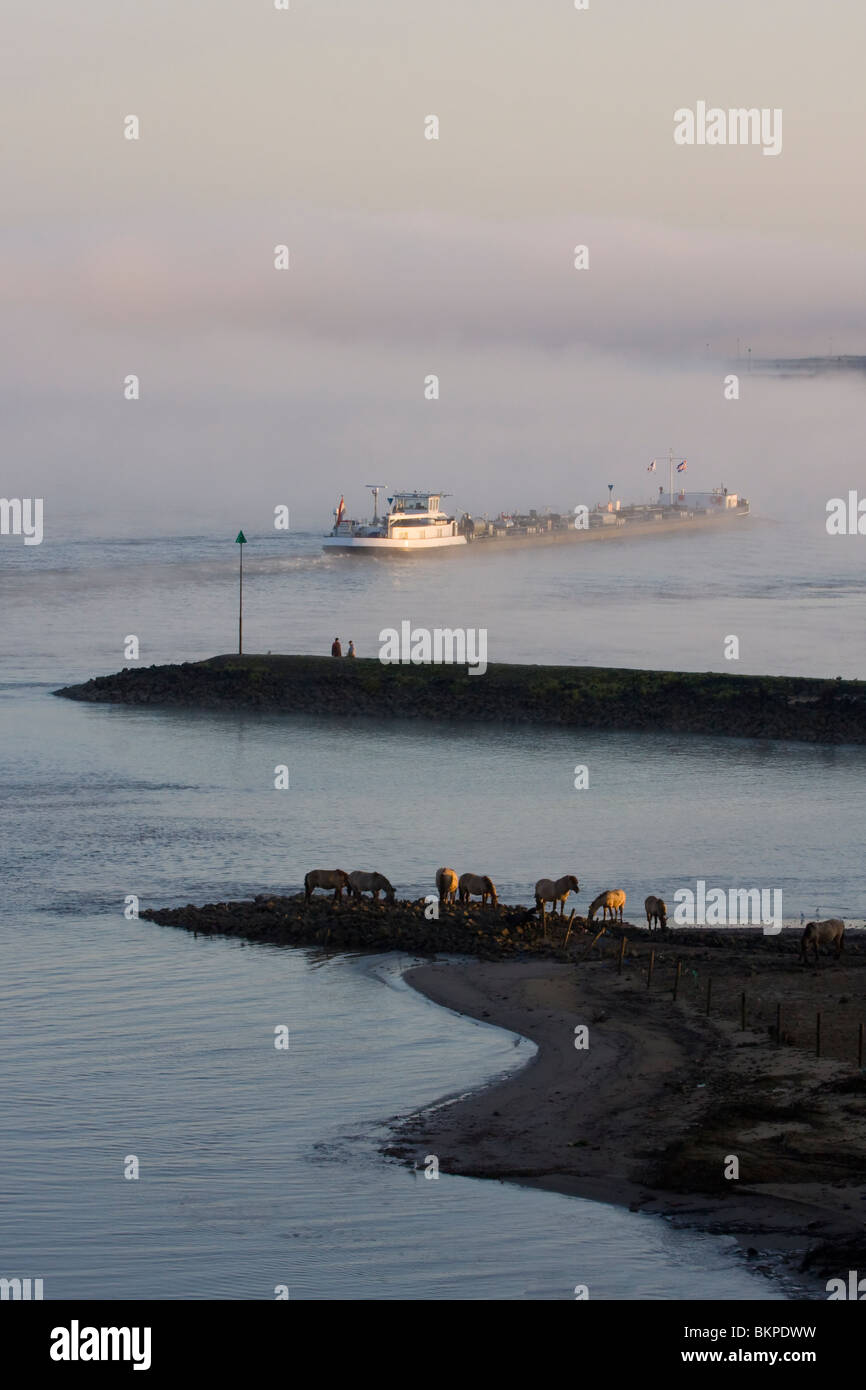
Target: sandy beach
{"points": [[650, 1112]]}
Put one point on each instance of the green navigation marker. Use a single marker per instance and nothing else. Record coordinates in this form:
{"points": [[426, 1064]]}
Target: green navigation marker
{"points": [[241, 540]]}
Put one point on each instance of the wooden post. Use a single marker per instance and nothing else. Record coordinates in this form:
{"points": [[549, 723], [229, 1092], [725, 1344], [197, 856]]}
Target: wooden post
{"points": [[709, 995], [743, 1011], [818, 1034], [570, 920], [860, 1047], [649, 973], [622, 946], [592, 943], [677, 977]]}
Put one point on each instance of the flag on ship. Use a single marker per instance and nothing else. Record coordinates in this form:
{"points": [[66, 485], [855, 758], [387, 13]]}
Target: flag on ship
{"points": [[681, 467], [340, 511], [652, 467]]}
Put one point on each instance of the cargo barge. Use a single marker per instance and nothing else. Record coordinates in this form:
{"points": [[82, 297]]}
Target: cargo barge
{"points": [[416, 523]]}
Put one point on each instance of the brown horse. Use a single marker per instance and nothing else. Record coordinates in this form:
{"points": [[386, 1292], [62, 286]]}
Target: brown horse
{"points": [[326, 878], [656, 912], [361, 882], [829, 933]]}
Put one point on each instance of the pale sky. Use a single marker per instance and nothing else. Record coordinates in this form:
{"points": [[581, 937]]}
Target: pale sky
{"points": [[411, 256]]}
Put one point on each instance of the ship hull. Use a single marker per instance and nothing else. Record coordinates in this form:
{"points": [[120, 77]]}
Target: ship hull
{"points": [[383, 546]]}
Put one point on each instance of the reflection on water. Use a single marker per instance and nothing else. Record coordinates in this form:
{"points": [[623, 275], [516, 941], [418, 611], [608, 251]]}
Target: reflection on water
{"points": [[261, 1167]]}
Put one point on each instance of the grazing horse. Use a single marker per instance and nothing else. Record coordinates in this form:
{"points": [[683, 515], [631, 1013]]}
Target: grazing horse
{"points": [[447, 884], [611, 901], [361, 882], [656, 912], [829, 933], [549, 890], [479, 884], [326, 878]]}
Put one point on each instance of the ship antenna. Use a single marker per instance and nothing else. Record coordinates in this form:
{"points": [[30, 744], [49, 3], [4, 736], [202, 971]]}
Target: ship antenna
{"points": [[375, 488]]}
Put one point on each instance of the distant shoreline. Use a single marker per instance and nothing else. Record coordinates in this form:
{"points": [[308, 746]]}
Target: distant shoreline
{"points": [[794, 708]]}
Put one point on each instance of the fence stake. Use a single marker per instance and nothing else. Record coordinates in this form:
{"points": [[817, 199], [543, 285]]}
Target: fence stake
{"points": [[622, 946], [649, 976], [570, 920], [592, 943], [677, 977], [779, 1025], [818, 1034], [709, 995]]}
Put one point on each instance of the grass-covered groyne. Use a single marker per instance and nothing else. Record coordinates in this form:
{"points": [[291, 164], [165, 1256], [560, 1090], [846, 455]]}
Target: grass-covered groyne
{"points": [[777, 707]]}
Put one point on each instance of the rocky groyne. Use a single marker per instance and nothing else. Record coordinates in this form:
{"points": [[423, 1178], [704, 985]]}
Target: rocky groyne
{"points": [[500, 932], [490, 933], [775, 707]]}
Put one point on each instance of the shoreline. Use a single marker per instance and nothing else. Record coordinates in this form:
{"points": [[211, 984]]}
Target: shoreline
{"points": [[648, 1114], [647, 1108]]}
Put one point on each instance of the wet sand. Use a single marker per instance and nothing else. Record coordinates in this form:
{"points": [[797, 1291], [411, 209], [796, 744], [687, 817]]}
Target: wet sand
{"points": [[649, 1115]]}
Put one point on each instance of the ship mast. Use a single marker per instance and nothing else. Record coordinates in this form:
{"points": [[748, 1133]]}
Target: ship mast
{"points": [[671, 461], [375, 488]]}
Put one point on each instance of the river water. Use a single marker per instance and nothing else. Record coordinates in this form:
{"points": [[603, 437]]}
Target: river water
{"points": [[260, 1167]]}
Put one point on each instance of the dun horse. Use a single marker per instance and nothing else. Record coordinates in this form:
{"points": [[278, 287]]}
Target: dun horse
{"points": [[553, 891], [479, 884], [612, 901], [447, 884]]}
